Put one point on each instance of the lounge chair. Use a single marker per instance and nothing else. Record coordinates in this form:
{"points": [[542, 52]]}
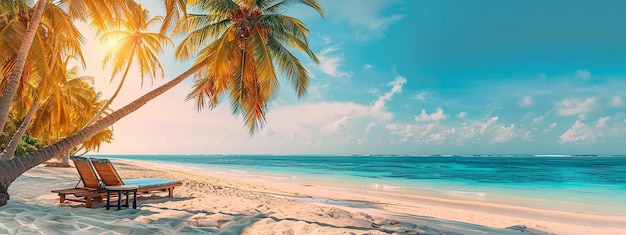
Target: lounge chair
{"points": [[110, 177], [91, 188]]}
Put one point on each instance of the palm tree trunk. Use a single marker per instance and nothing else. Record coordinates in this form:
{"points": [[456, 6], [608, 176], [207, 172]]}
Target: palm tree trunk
{"points": [[9, 151], [117, 91], [18, 68], [65, 160], [11, 169]]}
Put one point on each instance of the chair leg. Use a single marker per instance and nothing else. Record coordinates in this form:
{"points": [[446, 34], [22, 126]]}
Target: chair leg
{"points": [[88, 201], [119, 200], [135, 199], [126, 204], [108, 200]]}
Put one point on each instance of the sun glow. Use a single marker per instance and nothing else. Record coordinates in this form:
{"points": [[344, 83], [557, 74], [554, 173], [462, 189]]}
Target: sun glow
{"points": [[113, 38], [111, 42]]}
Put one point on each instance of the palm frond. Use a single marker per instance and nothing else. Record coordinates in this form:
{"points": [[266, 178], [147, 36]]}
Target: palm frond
{"points": [[203, 32], [273, 7], [288, 63], [264, 65], [215, 6], [175, 11]]}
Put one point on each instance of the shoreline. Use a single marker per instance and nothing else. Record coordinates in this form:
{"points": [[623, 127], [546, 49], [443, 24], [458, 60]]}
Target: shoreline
{"points": [[210, 204], [430, 190], [548, 220], [593, 196]]}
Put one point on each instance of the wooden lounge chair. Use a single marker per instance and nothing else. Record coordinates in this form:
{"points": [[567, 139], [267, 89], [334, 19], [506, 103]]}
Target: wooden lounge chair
{"points": [[91, 189], [110, 177]]}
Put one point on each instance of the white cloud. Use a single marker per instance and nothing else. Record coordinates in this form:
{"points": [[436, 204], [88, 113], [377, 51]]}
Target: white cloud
{"points": [[461, 115], [490, 131], [552, 125], [421, 96], [504, 134], [367, 66], [583, 74], [527, 101], [487, 124], [550, 128], [332, 123], [468, 132], [578, 132], [392, 127], [581, 132], [538, 120], [617, 101], [404, 131], [396, 88], [335, 127], [330, 64], [323, 122], [440, 137], [577, 106], [601, 122], [528, 136], [434, 117]]}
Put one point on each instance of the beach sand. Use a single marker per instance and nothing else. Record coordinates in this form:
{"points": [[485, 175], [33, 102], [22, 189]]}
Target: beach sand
{"points": [[211, 204]]}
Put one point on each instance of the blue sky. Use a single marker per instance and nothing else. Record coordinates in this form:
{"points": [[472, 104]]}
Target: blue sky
{"points": [[416, 77]]}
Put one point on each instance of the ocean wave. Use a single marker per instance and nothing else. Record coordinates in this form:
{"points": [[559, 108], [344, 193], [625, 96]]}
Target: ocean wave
{"points": [[386, 187], [276, 177], [480, 194]]}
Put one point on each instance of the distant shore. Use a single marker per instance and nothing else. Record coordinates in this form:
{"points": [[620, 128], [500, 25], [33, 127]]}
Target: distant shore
{"points": [[212, 203]]}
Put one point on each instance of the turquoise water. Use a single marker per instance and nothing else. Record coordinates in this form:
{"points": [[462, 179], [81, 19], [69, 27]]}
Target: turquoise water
{"points": [[590, 184]]}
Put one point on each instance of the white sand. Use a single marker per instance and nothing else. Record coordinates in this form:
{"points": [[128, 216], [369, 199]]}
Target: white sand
{"points": [[207, 204]]}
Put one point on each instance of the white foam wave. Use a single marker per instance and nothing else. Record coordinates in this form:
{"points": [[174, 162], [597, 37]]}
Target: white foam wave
{"points": [[274, 177], [480, 194], [385, 187]]}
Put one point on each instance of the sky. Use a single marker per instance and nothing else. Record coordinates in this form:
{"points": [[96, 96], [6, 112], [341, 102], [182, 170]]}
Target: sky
{"points": [[412, 77]]}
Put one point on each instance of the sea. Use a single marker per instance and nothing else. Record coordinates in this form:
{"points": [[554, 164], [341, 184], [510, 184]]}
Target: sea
{"points": [[582, 184]]}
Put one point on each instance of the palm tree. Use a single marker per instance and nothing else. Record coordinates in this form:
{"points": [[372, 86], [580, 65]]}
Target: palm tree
{"points": [[133, 43], [286, 30], [100, 13], [55, 39], [66, 110], [16, 73], [243, 41]]}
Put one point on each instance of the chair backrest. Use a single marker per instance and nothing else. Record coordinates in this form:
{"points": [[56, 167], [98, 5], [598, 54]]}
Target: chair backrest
{"points": [[86, 172], [107, 171]]}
